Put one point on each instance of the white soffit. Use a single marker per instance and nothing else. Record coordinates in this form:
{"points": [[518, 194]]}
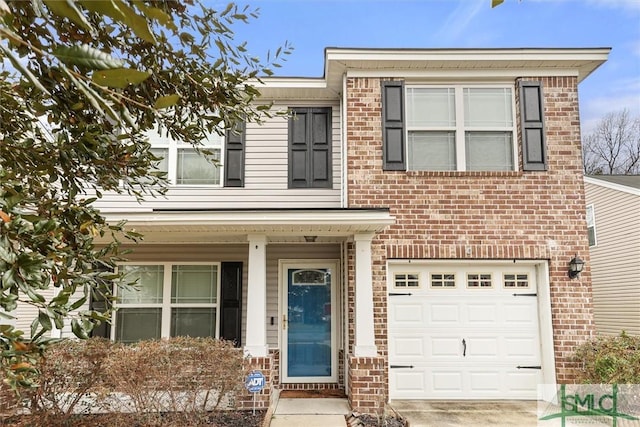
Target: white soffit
{"points": [[316, 222]]}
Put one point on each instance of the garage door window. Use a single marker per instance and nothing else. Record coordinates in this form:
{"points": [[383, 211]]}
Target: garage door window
{"points": [[406, 280], [443, 280], [520, 281], [479, 280]]}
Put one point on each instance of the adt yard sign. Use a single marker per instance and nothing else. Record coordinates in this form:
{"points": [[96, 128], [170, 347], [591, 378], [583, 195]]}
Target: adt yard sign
{"points": [[255, 382]]}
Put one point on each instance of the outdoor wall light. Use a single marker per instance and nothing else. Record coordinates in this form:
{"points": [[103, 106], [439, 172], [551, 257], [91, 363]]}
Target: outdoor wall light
{"points": [[575, 267]]}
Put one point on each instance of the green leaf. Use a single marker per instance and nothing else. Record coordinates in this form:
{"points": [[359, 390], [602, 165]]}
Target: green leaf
{"points": [[86, 56], [155, 13], [119, 78], [166, 101], [78, 303], [67, 9], [20, 67], [121, 12], [78, 330], [495, 3]]}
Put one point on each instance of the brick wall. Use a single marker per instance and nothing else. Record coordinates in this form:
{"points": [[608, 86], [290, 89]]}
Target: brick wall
{"points": [[479, 215], [262, 399]]}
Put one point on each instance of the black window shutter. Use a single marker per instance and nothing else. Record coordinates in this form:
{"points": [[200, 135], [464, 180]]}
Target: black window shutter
{"points": [[310, 148], [393, 147], [234, 156], [534, 151], [99, 302], [231, 306]]}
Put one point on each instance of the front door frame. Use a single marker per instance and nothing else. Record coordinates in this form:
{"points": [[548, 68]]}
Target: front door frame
{"points": [[284, 265]]}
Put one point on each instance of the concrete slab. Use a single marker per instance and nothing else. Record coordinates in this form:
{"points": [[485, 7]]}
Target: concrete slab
{"points": [[421, 413], [330, 406], [308, 421]]}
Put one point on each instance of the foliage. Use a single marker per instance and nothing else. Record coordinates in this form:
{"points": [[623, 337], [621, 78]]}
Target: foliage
{"points": [[610, 360], [187, 377], [81, 85], [613, 147]]}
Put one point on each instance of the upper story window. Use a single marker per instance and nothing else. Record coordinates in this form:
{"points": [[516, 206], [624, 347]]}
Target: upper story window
{"points": [[184, 165], [591, 225], [460, 128]]}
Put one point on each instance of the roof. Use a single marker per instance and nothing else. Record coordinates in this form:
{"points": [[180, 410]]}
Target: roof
{"points": [[626, 183], [626, 180], [436, 64]]}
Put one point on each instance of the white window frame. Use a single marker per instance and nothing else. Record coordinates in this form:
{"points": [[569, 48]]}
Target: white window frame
{"points": [[403, 283], [460, 129], [591, 223], [442, 280], [166, 305], [163, 141]]}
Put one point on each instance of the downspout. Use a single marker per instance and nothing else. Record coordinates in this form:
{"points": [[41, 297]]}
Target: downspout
{"points": [[344, 199]]}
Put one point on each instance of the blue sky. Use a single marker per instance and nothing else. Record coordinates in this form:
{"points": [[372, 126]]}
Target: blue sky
{"points": [[312, 25]]}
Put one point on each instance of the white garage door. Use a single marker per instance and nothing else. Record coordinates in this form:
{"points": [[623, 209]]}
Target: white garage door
{"points": [[463, 332]]}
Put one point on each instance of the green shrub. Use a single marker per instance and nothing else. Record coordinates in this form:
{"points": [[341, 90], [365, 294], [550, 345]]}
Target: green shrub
{"points": [[609, 360]]}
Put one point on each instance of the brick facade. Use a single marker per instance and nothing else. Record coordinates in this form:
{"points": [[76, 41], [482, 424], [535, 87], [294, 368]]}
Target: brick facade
{"points": [[262, 399], [477, 215]]}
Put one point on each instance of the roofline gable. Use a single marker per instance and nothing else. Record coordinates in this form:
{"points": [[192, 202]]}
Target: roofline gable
{"points": [[506, 63]]}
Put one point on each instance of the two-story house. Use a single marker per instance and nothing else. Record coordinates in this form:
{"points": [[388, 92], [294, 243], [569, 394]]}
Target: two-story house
{"points": [[405, 233]]}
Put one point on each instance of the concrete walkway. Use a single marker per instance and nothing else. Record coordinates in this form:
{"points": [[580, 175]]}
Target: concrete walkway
{"points": [[423, 413], [501, 413], [319, 412]]}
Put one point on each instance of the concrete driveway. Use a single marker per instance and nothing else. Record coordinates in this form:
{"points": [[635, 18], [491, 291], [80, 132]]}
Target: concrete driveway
{"points": [[507, 413]]}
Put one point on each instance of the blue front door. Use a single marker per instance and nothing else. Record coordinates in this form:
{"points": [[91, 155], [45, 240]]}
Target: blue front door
{"points": [[309, 327]]}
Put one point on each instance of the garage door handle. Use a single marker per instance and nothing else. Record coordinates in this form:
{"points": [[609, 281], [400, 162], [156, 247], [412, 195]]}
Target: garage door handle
{"points": [[464, 348]]}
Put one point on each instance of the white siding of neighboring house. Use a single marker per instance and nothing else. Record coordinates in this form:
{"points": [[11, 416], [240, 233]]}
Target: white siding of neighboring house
{"points": [[266, 177], [615, 260]]}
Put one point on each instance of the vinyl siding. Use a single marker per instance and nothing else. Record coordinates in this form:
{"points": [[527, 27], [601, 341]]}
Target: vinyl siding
{"points": [[278, 252], [615, 260], [222, 253], [266, 177], [25, 313]]}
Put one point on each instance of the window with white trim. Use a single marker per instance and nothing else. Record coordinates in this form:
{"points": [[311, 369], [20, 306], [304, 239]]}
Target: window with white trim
{"points": [[591, 225], [460, 128], [520, 280], [168, 300], [481, 280], [406, 280], [443, 280], [186, 166]]}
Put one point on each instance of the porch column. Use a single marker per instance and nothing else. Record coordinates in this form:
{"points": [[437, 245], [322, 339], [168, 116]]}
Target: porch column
{"points": [[365, 340], [256, 341]]}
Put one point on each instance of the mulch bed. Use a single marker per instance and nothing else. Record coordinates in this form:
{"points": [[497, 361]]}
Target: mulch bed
{"points": [[217, 419]]}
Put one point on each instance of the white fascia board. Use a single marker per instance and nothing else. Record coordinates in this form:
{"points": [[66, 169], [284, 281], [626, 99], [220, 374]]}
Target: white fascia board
{"points": [[290, 83], [578, 61], [498, 54], [461, 74], [612, 185], [241, 218]]}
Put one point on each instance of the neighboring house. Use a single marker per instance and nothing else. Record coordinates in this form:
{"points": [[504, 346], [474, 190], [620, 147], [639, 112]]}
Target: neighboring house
{"points": [[613, 221], [406, 234]]}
